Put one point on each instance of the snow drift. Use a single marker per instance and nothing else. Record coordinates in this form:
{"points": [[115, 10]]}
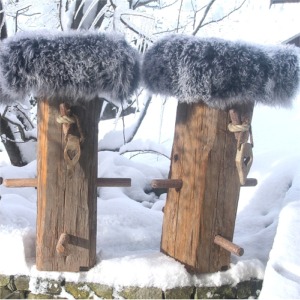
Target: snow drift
{"points": [[72, 65], [221, 73]]}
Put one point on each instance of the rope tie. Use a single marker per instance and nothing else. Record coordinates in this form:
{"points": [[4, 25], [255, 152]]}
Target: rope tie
{"points": [[72, 149], [238, 127], [65, 120]]}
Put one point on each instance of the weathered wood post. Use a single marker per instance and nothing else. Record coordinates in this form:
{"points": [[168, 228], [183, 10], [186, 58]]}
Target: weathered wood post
{"points": [[67, 191], [203, 156], [69, 73], [215, 82], [67, 198]]}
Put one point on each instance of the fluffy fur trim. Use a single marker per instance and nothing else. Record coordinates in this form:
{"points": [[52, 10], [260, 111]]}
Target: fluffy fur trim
{"points": [[73, 65], [221, 73]]}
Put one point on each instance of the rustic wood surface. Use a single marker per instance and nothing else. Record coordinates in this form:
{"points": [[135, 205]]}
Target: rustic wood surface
{"points": [[166, 183], [113, 182], [203, 156], [20, 182], [67, 199], [229, 246], [32, 182]]}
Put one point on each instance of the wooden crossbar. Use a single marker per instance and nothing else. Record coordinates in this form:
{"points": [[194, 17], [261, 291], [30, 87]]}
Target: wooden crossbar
{"points": [[166, 183], [177, 183], [100, 182]]}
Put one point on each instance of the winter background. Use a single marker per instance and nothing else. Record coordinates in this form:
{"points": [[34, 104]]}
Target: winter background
{"points": [[130, 219]]}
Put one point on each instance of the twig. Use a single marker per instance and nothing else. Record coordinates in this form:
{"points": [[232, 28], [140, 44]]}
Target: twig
{"points": [[60, 14], [204, 16], [20, 128], [201, 24], [178, 16], [24, 116], [133, 29], [144, 152], [133, 133]]}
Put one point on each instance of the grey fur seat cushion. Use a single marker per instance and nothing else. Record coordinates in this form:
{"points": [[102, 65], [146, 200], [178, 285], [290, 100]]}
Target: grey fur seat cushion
{"points": [[74, 65], [221, 73]]}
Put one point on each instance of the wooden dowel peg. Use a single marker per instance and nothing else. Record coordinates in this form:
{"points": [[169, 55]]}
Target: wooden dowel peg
{"points": [[20, 182], [166, 183], [113, 182], [250, 182], [62, 244], [229, 246], [101, 182]]}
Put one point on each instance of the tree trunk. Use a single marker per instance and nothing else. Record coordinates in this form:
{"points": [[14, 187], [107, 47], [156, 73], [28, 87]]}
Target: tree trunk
{"points": [[10, 145]]}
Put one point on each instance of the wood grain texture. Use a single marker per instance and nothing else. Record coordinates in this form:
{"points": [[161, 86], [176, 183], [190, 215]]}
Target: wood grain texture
{"points": [[166, 183], [32, 182], [67, 199], [203, 156], [20, 182]]}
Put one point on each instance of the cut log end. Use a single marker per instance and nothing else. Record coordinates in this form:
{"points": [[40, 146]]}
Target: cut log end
{"points": [[229, 246], [250, 182]]}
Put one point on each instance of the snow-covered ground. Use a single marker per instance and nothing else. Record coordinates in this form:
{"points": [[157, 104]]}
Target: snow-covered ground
{"points": [[130, 220]]}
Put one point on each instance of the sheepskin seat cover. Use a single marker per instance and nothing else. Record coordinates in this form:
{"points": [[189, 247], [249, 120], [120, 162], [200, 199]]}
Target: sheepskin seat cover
{"points": [[75, 65], [221, 73]]}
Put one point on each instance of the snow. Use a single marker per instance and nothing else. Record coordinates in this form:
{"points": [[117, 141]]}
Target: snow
{"points": [[130, 219]]}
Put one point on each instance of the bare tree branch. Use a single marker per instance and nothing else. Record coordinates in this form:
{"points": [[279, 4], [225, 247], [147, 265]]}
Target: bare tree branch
{"points": [[178, 16], [99, 16], [133, 28], [21, 130], [139, 152], [136, 127], [202, 24], [60, 7], [208, 7], [141, 3], [78, 14], [3, 29]]}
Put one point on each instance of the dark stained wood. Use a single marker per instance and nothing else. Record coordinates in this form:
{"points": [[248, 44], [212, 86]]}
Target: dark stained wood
{"points": [[203, 156], [67, 199], [166, 183], [250, 182], [113, 182]]}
